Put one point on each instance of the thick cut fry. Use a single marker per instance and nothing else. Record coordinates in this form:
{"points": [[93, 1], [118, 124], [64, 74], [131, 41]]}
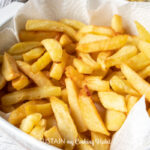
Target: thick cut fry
{"points": [[82, 67], [53, 137], [77, 77], [102, 57], [143, 33], [54, 49], [92, 38], [64, 95], [57, 69], [30, 94], [36, 35], [51, 121], [44, 109], [116, 24], [114, 120], [23, 47], [96, 84], [97, 30], [65, 40], [9, 68], [101, 141], [73, 23], [70, 48], [89, 60], [20, 82], [145, 72], [33, 54], [64, 121], [136, 81], [2, 81], [39, 78], [38, 131], [29, 122], [144, 47], [121, 86], [138, 62], [47, 25], [131, 101], [41, 63], [112, 100], [74, 105], [121, 55], [91, 116], [18, 57], [113, 43]]}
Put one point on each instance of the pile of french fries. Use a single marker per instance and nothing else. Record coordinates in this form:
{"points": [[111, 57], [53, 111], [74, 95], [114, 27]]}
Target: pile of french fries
{"points": [[66, 81]]}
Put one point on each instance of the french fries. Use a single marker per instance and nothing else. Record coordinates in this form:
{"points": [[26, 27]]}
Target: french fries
{"points": [[33, 54], [36, 36], [67, 83], [46, 25], [30, 94], [113, 43], [22, 47], [54, 49], [136, 81], [64, 120], [112, 100], [39, 78], [74, 105], [9, 68], [41, 63], [114, 120]]}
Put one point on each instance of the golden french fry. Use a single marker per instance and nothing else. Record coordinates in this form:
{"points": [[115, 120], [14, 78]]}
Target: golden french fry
{"points": [[70, 48], [65, 123], [89, 60], [74, 105], [36, 35], [77, 77], [44, 109], [22, 47], [92, 38], [18, 57], [41, 63], [9, 68], [102, 57], [21, 82], [52, 135], [30, 94], [51, 121], [101, 141], [73, 23], [29, 122], [54, 49], [116, 24], [2, 81], [97, 30], [145, 72], [131, 101], [113, 43], [38, 131], [114, 120], [57, 69], [48, 25], [82, 67], [121, 55], [39, 78], [64, 40], [112, 100], [143, 33], [100, 73], [121, 86], [144, 47], [95, 83], [33, 54], [7, 109], [136, 81], [91, 116], [64, 95], [138, 62]]}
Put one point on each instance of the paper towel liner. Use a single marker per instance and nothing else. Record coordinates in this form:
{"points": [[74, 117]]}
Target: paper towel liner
{"points": [[135, 132]]}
